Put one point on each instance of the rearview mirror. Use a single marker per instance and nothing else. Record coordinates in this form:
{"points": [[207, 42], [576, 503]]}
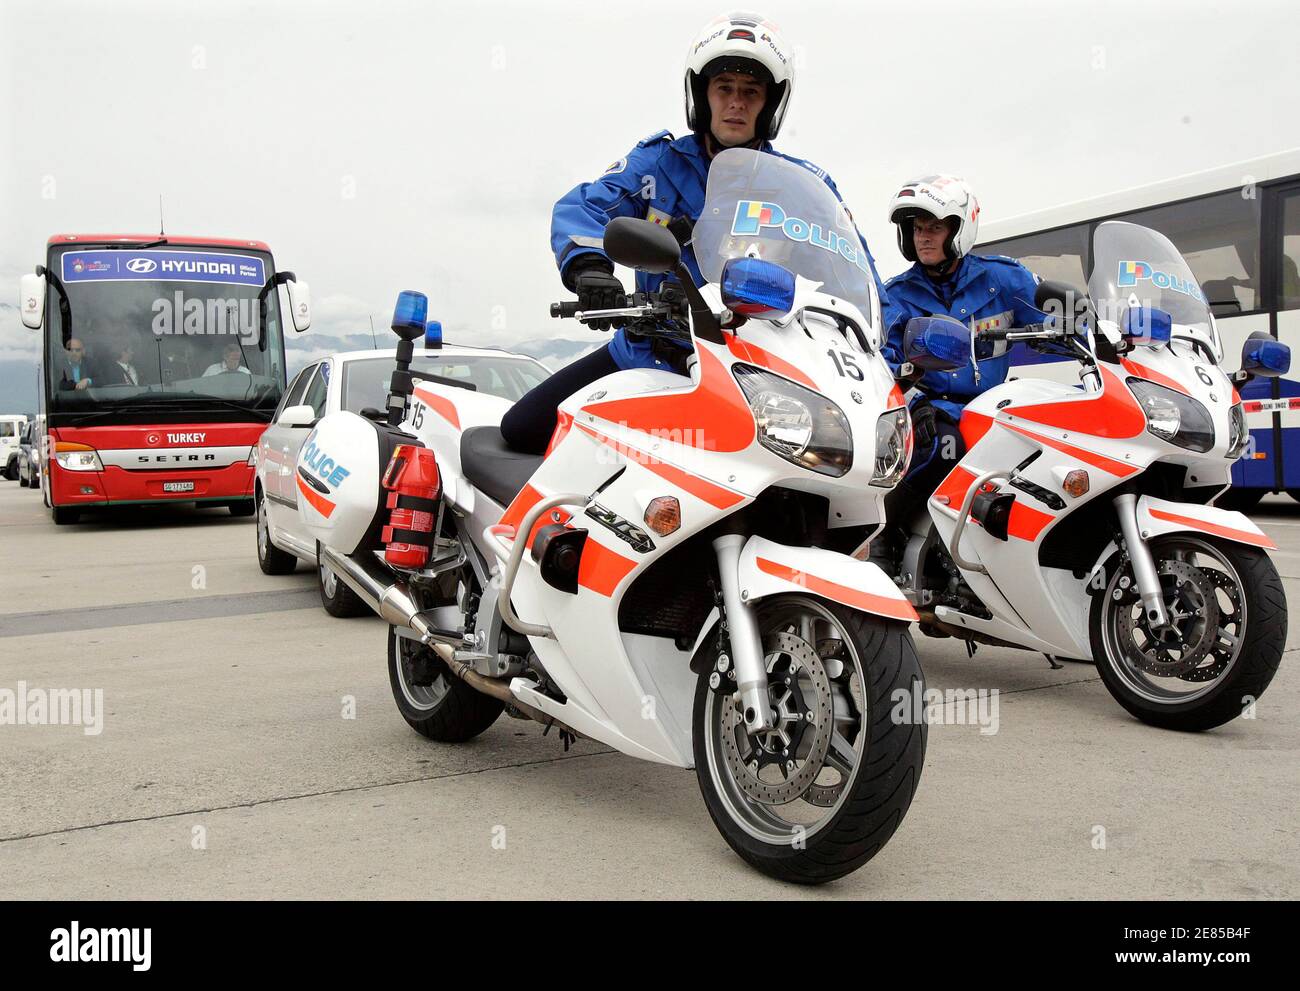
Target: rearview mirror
{"points": [[297, 416], [1062, 303], [31, 300], [1262, 355], [642, 245], [299, 305], [936, 344]]}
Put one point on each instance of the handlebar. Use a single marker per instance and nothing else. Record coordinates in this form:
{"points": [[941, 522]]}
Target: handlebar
{"points": [[649, 314]]}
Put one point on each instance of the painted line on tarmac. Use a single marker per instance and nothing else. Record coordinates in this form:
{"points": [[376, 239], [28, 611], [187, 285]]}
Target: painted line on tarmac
{"points": [[306, 794], [26, 624]]}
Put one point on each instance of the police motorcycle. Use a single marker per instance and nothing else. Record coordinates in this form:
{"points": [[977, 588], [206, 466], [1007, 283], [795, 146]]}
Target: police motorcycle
{"points": [[673, 577], [1079, 524]]}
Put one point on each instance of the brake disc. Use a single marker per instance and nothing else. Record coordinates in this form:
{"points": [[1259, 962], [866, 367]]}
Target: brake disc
{"points": [[1193, 627], [796, 746], [1222, 651]]}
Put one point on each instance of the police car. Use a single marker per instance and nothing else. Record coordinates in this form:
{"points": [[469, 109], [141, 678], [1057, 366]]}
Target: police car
{"points": [[355, 381]]}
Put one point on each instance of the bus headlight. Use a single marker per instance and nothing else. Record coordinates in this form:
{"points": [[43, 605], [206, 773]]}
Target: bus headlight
{"points": [[800, 425], [1174, 417], [77, 457], [893, 447]]}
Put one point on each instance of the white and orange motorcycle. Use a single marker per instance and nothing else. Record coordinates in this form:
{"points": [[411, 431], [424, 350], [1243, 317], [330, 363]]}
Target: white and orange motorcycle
{"points": [[673, 578], [1078, 522]]}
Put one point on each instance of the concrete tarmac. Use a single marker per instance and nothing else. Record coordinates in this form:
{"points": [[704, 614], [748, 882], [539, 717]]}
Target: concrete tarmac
{"points": [[250, 748]]}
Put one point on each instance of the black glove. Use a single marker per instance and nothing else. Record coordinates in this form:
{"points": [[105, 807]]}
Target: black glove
{"points": [[597, 288], [924, 429]]}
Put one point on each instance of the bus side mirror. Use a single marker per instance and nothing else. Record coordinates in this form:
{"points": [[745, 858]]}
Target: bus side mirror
{"points": [[31, 301], [299, 305]]}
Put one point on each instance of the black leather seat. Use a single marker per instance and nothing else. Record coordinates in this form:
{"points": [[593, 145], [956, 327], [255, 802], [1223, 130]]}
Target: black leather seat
{"points": [[492, 467]]}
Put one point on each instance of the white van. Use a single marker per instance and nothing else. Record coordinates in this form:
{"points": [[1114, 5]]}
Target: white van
{"points": [[11, 425]]}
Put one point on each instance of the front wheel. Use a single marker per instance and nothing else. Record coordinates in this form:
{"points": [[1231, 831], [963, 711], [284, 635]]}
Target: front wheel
{"points": [[821, 793], [65, 515], [1227, 612], [270, 558]]}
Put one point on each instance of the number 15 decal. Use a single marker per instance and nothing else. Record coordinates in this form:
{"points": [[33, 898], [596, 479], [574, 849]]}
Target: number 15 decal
{"points": [[846, 364]]}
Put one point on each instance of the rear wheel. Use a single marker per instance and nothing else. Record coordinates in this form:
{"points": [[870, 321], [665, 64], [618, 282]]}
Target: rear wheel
{"points": [[432, 700], [1240, 500], [820, 794], [1227, 612], [335, 595], [270, 558]]}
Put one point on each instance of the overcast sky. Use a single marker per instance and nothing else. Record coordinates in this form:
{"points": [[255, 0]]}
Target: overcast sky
{"points": [[379, 146]]}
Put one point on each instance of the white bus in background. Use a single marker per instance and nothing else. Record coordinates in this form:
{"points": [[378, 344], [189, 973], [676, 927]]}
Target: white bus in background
{"points": [[1239, 229]]}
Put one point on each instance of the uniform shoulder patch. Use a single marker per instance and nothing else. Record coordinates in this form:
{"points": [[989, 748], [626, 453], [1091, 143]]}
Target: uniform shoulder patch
{"points": [[657, 136]]}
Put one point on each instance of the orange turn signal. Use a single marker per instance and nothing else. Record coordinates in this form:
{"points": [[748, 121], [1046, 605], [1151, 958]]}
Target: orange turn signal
{"points": [[1076, 483], [663, 515]]}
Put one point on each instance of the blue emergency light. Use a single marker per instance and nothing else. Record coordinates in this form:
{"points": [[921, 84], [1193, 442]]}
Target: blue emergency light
{"points": [[1265, 356], [433, 334], [756, 288], [936, 343], [409, 314], [1147, 325]]}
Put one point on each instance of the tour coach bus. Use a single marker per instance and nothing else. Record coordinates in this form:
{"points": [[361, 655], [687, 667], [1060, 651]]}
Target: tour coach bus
{"points": [[163, 361], [1239, 229]]}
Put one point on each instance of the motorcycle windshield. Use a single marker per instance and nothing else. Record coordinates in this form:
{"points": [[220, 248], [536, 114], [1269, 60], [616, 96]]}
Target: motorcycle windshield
{"points": [[1136, 266], [761, 206]]}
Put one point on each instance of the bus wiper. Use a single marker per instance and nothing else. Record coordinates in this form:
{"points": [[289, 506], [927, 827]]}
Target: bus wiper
{"points": [[136, 247]]}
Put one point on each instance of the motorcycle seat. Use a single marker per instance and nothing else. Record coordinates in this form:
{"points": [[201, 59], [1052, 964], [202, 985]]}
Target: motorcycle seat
{"points": [[492, 466]]}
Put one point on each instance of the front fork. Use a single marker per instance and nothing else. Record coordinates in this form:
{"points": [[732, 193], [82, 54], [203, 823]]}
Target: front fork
{"points": [[746, 641], [1144, 565]]}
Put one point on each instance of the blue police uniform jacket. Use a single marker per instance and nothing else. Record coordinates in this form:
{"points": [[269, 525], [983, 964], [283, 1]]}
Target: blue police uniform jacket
{"points": [[662, 178], [993, 291]]}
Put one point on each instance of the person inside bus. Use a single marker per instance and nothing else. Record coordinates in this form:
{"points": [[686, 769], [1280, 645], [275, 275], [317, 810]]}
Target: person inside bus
{"points": [[231, 361], [120, 370], [937, 217], [75, 373], [739, 78]]}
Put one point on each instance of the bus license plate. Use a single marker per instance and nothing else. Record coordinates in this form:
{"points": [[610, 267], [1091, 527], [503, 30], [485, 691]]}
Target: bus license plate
{"points": [[178, 486]]}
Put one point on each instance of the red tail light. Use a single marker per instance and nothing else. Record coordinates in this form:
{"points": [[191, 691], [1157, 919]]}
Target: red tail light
{"points": [[413, 486]]}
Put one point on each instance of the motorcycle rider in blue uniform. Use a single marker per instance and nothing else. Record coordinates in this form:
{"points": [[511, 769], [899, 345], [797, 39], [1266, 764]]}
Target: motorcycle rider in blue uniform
{"points": [[937, 217], [739, 78]]}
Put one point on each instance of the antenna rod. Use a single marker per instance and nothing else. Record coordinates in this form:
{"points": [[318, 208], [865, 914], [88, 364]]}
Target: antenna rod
{"points": [[161, 231], [372, 332]]}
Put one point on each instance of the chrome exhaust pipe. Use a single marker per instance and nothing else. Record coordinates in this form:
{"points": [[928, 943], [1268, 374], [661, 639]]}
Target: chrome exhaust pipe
{"points": [[392, 601], [389, 598]]}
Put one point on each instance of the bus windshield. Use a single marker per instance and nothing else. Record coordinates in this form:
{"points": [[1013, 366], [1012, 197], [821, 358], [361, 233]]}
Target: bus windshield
{"points": [[162, 328]]}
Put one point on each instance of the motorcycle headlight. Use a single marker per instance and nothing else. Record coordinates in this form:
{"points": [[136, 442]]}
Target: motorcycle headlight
{"points": [[1174, 417], [1238, 435], [800, 425], [77, 457], [893, 447]]}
